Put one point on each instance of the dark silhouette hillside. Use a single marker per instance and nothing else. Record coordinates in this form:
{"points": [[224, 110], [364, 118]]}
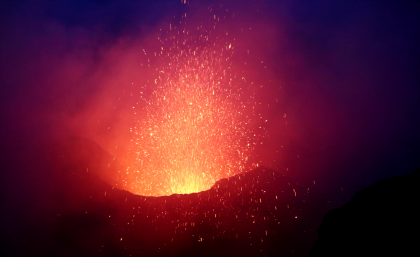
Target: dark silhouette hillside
{"points": [[77, 210], [381, 220]]}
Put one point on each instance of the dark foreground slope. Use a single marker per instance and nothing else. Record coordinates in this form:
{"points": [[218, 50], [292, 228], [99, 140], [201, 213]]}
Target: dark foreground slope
{"points": [[74, 211], [381, 220]]}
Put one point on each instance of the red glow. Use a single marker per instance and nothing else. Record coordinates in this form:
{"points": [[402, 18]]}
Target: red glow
{"points": [[196, 130]]}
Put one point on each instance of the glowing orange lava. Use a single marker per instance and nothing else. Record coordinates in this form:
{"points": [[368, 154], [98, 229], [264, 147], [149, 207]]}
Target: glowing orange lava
{"points": [[196, 127]]}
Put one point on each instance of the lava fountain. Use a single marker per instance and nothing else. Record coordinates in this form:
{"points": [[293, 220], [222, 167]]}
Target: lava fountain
{"points": [[196, 128]]}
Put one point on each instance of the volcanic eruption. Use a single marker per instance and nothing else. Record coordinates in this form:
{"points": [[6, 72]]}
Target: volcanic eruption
{"points": [[197, 127], [154, 128]]}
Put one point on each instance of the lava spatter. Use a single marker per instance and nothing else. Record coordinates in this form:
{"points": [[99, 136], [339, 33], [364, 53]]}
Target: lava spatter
{"points": [[196, 127]]}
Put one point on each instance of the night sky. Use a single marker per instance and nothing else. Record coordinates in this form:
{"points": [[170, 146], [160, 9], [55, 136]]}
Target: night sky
{"points": [[345, 73]]}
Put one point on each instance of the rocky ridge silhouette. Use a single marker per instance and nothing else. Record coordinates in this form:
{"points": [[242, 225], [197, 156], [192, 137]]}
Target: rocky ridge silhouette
{"points": [[79, 211], [378, 221]]}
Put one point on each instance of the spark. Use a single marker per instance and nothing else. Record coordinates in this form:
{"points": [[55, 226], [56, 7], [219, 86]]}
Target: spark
{"points": [[196, 129]]}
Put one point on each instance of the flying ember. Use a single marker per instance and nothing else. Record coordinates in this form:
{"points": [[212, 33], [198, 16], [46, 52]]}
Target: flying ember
{"points": [[196, 124]]}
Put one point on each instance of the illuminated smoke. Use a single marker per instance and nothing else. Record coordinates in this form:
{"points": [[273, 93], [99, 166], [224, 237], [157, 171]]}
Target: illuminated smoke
{"points": [[196, 129]]}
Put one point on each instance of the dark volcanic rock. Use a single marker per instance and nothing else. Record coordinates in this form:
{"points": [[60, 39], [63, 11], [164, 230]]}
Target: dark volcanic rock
{"points": [[77, 209], [381, 220]]}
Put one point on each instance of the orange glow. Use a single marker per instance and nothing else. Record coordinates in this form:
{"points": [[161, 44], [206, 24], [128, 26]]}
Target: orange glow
{"points": [[196, 127]]}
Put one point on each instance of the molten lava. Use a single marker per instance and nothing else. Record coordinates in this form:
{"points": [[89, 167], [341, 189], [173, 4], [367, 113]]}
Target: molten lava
{"points": [[196, 130]]}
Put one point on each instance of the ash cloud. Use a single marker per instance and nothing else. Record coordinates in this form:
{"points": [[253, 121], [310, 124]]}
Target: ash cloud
{"points": [[63, 62]]}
